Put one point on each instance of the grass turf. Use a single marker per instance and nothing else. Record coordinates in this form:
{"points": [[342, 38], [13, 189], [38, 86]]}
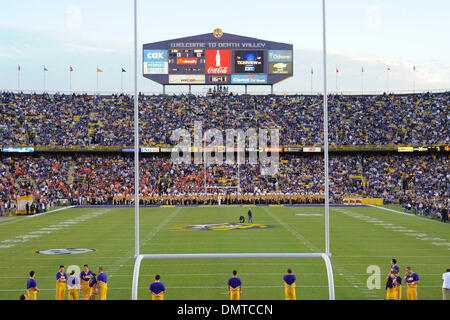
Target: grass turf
{"points": [[360, 237]]}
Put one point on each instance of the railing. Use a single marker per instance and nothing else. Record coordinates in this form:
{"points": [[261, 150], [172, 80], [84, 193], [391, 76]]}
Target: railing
{"points": [[99, 148], [232, 89]]}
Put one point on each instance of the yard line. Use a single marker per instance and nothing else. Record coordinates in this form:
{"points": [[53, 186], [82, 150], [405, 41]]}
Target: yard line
{"points": [[338, 269], [292, 231], [119, 264]]}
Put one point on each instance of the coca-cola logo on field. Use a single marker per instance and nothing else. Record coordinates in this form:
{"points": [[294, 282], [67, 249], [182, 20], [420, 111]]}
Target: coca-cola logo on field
{"points": [[218, 62]]}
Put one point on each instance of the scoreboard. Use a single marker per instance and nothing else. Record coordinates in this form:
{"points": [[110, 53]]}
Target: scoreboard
{"points": [[217, 58]]}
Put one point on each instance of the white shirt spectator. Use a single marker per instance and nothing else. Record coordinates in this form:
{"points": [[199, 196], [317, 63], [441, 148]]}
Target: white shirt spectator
{"points": [[446, 278]]}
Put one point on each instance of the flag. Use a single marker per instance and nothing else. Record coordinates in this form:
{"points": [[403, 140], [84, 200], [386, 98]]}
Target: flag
{"points": [[337, 70], [123, 70], [312, 71], [414, 68], [18, 67], [99, 70], [71, 69], [45, 69], [388, 69], [362, 69]]}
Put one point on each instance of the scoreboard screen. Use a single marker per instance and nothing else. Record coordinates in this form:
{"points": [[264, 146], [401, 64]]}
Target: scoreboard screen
{"points": [[183, 61], [217, 58], [249, 61]]}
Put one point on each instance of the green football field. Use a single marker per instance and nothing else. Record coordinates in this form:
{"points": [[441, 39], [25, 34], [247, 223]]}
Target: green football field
{"points": [[361, 238]]}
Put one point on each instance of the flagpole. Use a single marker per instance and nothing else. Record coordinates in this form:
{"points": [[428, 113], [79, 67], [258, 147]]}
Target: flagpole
{"points": [[312, 73], [121, 80], [44, 79], [70, 80], [97, 79], [387, 79], [337, 80], [362, 81], [414, 79], [18, 79]]}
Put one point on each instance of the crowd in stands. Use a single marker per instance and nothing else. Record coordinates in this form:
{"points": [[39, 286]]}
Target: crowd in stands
{"points": [[86, 179], [83, 120]]}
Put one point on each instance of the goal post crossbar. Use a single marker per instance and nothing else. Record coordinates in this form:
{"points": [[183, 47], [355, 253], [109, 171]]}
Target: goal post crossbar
{"points": [[139, 258]]}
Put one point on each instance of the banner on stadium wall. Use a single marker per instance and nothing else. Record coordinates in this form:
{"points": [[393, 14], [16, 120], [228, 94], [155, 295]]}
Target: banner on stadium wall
{"points": [[293, 149], [149, 150], [364, 201], [22, 202], [405, 149], [372, 201], [16, 149], [312, 149]]}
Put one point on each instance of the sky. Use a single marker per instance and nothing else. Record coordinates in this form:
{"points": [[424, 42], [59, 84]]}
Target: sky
{"points": [[368, 34]]}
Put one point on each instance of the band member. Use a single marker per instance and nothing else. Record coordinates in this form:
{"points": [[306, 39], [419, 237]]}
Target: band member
{"points": [[289, 285], [85, 276], [157, 289], [235, 287], [102, 284], [61, 278], [32, 288], [412, 280]]}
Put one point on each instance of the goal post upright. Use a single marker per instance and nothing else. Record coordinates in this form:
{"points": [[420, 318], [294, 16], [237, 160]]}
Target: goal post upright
{"points": [[325, 134], [136, 140]]}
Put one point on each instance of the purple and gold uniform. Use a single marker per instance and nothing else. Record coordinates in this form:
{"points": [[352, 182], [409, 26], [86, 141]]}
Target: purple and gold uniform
{"points": [[31, 289], [289, 286], [398, 288], [411, 286], [390, 292], [234, 287], [84, 279], [394, 267], [102, 285], [157, 289], [60, 285], [93, 285]]}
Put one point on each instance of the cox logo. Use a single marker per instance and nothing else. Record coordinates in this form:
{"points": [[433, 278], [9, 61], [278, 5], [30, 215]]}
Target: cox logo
{"points": [[155, 55]]}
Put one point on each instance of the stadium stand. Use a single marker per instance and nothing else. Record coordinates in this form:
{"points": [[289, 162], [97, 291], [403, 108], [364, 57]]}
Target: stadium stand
{"points": [[108, 179], [82, 120], [104, 123]]}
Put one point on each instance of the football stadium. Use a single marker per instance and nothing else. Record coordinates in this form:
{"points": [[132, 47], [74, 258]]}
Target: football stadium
{"points": [[242, 196]]}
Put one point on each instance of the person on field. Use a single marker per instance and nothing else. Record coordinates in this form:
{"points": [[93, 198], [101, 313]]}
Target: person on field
{"points": [[234, 287], [32, 288], [289, 285], [157, 289], [250, 216]]}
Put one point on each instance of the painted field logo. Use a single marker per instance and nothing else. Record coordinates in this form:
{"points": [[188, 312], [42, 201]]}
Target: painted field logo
{"points": [[65, 251], [223, 226]]}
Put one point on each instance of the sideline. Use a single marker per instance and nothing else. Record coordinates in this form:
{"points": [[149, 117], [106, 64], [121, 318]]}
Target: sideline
{"points": [[51, 211], [407, 214]]}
